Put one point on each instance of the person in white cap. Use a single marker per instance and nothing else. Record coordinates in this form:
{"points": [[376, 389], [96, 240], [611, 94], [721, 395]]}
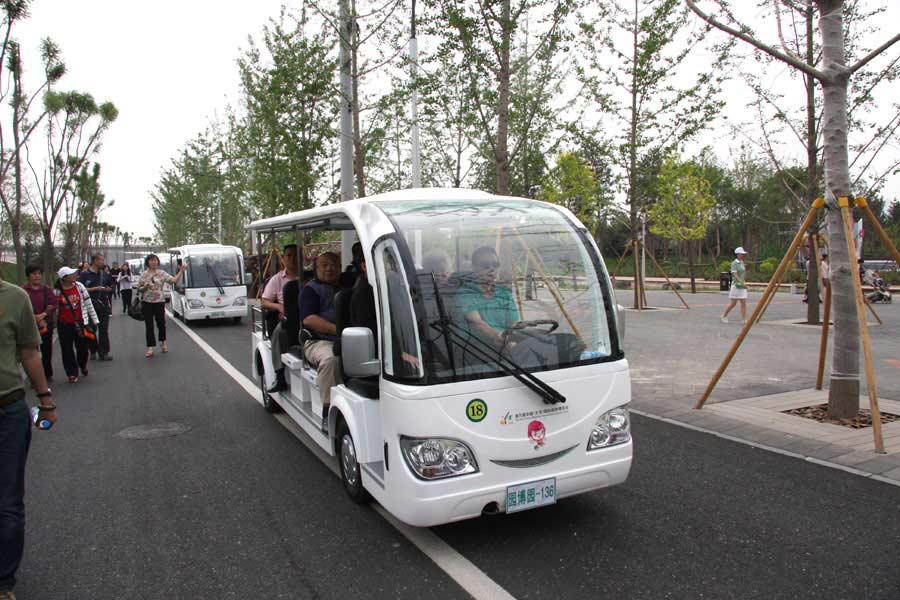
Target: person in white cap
{"points": [[75, 317], [738, 291]]}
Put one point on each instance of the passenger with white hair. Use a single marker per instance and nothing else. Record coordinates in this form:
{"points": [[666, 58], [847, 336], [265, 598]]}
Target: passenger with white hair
{"points": [[438, 263]]}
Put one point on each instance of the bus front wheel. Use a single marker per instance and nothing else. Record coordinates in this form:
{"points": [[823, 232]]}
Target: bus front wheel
{"points": [[268, 401], [350, 471]]}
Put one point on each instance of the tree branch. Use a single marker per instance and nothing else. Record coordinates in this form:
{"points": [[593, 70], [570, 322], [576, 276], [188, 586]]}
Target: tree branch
{"points": [[797, 64], [865, 60]]}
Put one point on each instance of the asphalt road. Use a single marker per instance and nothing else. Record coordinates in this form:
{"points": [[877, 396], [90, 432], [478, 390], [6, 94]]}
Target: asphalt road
{"points": [[238, 507]]}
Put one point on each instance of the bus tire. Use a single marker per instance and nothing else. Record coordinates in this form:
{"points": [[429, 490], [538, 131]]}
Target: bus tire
{"points": [[268, 402], [351, 476], [237, 320]]}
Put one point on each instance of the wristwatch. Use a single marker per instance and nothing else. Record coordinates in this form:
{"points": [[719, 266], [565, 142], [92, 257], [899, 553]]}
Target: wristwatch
{"points": [[46, 394]]}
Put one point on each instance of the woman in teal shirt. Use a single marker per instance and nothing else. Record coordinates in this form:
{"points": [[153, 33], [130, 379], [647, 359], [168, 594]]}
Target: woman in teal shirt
{"points": [[489, 307], [738, 291]]}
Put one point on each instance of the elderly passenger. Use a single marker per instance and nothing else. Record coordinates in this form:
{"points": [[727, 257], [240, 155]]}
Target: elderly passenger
{"points": [[317, 314]]}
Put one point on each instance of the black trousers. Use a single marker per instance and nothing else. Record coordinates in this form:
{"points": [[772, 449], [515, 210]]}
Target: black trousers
{"points": [[47, 352], [103, 313], [126, 299], [74, 349], [154, 311], [15, 437]]}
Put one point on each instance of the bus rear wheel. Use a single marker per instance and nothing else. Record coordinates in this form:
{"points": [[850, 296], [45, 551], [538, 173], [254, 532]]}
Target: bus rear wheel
{"points": [[350, 471]]}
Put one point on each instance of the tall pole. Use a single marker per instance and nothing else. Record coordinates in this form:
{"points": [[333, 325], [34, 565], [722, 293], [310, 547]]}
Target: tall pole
{"points": [[346, 33], [414, 108], [219, 215]]}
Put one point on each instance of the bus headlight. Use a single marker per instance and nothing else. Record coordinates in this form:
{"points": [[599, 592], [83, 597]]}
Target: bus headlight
{"points": [[195, 303], [437, 458], [242, 301], [613, 427]]}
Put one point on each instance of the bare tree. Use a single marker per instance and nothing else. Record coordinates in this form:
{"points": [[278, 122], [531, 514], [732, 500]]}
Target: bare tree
{"points": [[834, 75]]}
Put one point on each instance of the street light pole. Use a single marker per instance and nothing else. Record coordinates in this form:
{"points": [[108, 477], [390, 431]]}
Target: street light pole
{"points": [[346, 31]]}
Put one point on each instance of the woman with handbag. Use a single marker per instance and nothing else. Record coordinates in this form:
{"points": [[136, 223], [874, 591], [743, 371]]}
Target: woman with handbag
{"points": [[124, 281], [43, 303], [77, 322], [153, 300]]}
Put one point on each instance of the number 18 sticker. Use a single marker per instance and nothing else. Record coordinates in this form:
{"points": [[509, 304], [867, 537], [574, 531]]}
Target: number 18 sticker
{"points": [[476, 410]]}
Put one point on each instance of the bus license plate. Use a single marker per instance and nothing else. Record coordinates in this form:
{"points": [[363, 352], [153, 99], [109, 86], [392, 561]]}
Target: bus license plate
{"points": [[530, 495], [217, 314]]}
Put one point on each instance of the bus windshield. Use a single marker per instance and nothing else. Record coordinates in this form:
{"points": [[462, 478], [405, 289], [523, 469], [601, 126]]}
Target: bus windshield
{"points": [[498, 288], [215, 269]]}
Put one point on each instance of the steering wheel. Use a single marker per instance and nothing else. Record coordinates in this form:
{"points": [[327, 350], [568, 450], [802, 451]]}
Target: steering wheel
{"points": [[522, 327]]}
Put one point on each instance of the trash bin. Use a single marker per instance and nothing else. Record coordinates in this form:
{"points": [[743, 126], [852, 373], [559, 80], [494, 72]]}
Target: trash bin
{"points": [[724, 281]]}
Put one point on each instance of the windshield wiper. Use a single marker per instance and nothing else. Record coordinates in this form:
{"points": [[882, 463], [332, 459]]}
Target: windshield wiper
{"points": [[486, 352], [215, 279]]}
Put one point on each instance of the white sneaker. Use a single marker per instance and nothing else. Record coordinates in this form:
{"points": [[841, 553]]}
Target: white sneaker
{"points": [[723, 319]]}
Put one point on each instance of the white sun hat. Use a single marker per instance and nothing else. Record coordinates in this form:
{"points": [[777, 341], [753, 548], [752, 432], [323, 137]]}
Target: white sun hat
{"points": [[740, 250]]}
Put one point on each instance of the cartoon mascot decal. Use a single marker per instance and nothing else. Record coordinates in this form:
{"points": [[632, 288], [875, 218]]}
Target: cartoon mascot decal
{"points": [[537, 432]]}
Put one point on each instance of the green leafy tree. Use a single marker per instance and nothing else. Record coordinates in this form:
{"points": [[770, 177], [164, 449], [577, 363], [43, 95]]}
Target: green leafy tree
{"points": [[684, 207], [23, 120], [571, 183], [634, 73], [483, 37], [75, 124]]}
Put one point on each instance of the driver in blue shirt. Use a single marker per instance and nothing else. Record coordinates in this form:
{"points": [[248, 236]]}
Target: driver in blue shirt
{"points": [[488, 306]]}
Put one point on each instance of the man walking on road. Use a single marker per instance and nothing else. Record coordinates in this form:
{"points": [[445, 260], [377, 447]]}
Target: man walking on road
{"points": [[19, 339], [99, 285]]}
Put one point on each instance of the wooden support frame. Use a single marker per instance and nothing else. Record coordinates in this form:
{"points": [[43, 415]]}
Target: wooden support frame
{"points": [[777, 285], [844, 205], [770, 289], [865, 338], [664, 274]]}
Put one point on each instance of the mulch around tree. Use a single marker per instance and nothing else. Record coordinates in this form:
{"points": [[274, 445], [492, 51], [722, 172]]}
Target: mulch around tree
{"points": [[819, 412]]}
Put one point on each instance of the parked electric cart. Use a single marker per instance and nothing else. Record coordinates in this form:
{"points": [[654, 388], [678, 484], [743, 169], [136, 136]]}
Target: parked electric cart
{"points": [[497, 383], [213, 287]]}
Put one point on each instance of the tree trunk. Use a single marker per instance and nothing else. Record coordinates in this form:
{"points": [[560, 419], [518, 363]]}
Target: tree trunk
{"points": [[502, 150], [47, 250], [812, 172], [632, 158], [691, 269], [843, 393]]}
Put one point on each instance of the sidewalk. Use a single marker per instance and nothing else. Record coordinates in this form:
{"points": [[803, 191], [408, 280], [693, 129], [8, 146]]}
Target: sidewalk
{"points": [[674, 353]]}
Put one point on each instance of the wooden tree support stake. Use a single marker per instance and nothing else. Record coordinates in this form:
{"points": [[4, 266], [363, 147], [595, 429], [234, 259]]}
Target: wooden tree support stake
{"points": [[766, 294], [823, 345], [621, 260], [863, 329], [664, 274], [772, 297]]}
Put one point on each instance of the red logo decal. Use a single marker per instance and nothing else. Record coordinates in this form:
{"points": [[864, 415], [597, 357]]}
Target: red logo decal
{"points": [[537, 432]]}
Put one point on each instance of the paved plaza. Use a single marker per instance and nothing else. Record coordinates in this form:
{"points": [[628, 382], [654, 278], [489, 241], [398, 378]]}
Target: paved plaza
{"points": [[674, 353]]}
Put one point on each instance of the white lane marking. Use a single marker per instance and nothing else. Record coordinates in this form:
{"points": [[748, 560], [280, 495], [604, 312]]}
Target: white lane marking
{"points": [[731, 438], [460, 569]]}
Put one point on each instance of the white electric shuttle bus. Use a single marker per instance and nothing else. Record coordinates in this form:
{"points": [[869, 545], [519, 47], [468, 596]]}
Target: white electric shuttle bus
{"points": [[496, 380], [213, 286]]}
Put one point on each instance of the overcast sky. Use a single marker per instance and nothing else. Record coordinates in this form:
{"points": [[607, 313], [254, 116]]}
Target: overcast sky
{"points": [[169, 67]]}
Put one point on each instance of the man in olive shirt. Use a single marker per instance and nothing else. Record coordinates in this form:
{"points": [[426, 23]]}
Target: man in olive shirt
{"points": [[19, 339]]}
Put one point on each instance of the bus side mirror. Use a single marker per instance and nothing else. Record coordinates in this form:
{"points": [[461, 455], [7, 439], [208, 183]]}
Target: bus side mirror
{"points": [[358, 352], [621, 310], [248, 278]]}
